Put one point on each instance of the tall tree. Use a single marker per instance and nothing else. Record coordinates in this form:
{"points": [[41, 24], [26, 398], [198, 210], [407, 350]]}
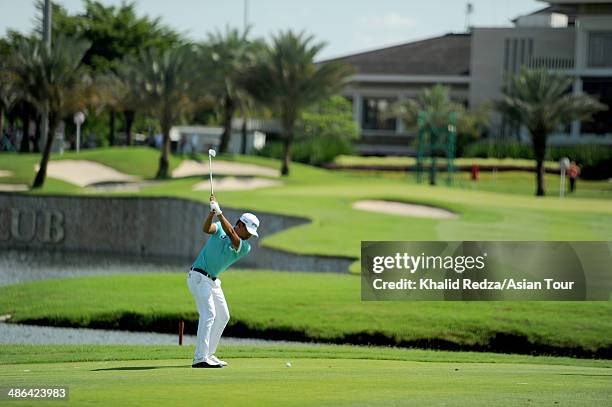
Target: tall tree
{"points": [[288, 80], [114, 32], [167, 80], [226, 58], [54, 80], [8, 93], [11, 102], [542, 102]]}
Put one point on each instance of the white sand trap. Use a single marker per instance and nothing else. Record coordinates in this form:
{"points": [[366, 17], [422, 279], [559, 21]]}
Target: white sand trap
{"points": [[121, 186], [83, 173], [404, 209], [236, 184], [188, 168], [4, 173], [13, 187]]}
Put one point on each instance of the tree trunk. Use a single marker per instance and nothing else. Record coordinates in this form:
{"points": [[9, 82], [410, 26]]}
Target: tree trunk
{"points": [[288, 123], [36, 142], [162, 172], [539, 149], [243, 148], [432, 170], [129, 121], [540, 177], [25, 140], [42, 171], [111, 130], [1, 122], [286, 156], [433, 137], [228, 115]]}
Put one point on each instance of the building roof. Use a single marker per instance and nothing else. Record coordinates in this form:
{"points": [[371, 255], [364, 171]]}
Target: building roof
{"points": [[576, 1], [569, 10], [445, 55]]}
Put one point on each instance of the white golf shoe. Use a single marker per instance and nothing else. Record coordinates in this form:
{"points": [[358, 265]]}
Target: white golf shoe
{"points": [[207, 363], [217, 360]]}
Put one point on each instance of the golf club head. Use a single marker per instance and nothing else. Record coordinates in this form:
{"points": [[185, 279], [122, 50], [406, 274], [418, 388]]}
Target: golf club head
{"points": [[212, 153]]}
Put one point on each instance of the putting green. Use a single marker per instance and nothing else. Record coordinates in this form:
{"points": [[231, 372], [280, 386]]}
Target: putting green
{"points": [[317, 382]]}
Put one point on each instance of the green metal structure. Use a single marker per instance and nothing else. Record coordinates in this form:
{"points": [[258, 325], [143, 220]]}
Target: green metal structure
{"points": [[434, 142]]}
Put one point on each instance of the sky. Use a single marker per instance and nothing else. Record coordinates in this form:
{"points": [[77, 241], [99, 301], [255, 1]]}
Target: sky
{"points": [[347, 26]]}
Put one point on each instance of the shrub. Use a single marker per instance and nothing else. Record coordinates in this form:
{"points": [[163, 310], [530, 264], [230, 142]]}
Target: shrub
{"points": [[315, 150], [321, 134], [595, 160]]}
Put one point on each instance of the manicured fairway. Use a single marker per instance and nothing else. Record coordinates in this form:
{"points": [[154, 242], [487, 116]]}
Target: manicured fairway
{"points": [[321, 307], [267, 381]]}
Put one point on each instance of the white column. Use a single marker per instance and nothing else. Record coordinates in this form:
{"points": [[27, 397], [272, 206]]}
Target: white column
{"points": [[400, 128]]}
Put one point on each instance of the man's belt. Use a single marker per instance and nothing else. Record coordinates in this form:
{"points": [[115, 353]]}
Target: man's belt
{"points": [[199, 270]]}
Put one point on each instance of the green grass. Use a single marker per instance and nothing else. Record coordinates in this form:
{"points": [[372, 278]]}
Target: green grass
{"points": [[20, 354], [495, 209], [326, 197], [316, 306], [499, 207], [319, 376]]}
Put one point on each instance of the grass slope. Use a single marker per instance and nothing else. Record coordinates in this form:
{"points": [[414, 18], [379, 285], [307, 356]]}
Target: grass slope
{"points": [[326, 197], [499, 208], [309, 306], [259, 377]]}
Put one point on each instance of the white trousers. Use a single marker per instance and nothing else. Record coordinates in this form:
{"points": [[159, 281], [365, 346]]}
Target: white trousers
{"points": [[213, 311]]}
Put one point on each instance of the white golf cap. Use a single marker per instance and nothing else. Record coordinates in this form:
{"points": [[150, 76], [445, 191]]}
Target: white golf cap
{"points": [[251, 222]]}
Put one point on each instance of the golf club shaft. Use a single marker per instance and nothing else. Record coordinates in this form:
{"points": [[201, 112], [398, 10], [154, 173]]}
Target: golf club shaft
{"points": [[210, 173]]}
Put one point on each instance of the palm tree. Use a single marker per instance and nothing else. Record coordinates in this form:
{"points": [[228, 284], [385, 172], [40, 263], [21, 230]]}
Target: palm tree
{"points": [[540, 101], [122, 92], [437, 106], [288, 80], [52, 80], [226, 57], [168, 81], [8, 94]]}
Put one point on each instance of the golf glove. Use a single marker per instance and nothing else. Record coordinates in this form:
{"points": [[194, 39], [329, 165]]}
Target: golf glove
{"points": [[214, 207]]}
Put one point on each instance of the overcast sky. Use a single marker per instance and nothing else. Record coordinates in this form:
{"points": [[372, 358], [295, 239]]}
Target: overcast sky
{"points": [[348, 26]]}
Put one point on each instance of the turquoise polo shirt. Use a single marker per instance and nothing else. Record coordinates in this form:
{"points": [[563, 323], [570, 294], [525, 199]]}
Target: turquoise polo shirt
{"points": [[218, 253]]}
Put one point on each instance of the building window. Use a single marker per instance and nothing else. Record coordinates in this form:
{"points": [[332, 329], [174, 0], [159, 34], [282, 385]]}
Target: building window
{"points": [[602, 121], [373, 114], [600, 49]]}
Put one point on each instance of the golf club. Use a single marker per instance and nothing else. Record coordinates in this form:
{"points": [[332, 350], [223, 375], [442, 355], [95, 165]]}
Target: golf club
{"points": [[211, 153]]}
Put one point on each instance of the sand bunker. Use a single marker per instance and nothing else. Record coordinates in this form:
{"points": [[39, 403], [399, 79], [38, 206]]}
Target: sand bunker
{"points": [[121, 186], [189, 168], [404, 209], [236, 184], [4, 173], [13, 187], [83, 173]]}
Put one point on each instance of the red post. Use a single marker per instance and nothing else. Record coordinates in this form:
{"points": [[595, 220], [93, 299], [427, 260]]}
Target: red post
{"points": [[181, 330], [475, 172]]}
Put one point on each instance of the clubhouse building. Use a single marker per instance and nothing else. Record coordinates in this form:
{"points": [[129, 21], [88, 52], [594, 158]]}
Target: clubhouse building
{"points": [[569, 36]]}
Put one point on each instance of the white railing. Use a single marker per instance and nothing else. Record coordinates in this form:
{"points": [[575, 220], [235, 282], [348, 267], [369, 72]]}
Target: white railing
{"points": [[551, 63]]}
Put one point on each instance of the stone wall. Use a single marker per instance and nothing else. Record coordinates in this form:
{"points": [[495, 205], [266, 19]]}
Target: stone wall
{"points": [[149, 228]]}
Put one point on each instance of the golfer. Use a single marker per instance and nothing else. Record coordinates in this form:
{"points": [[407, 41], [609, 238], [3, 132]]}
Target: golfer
{"points": [[226, 245]]}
